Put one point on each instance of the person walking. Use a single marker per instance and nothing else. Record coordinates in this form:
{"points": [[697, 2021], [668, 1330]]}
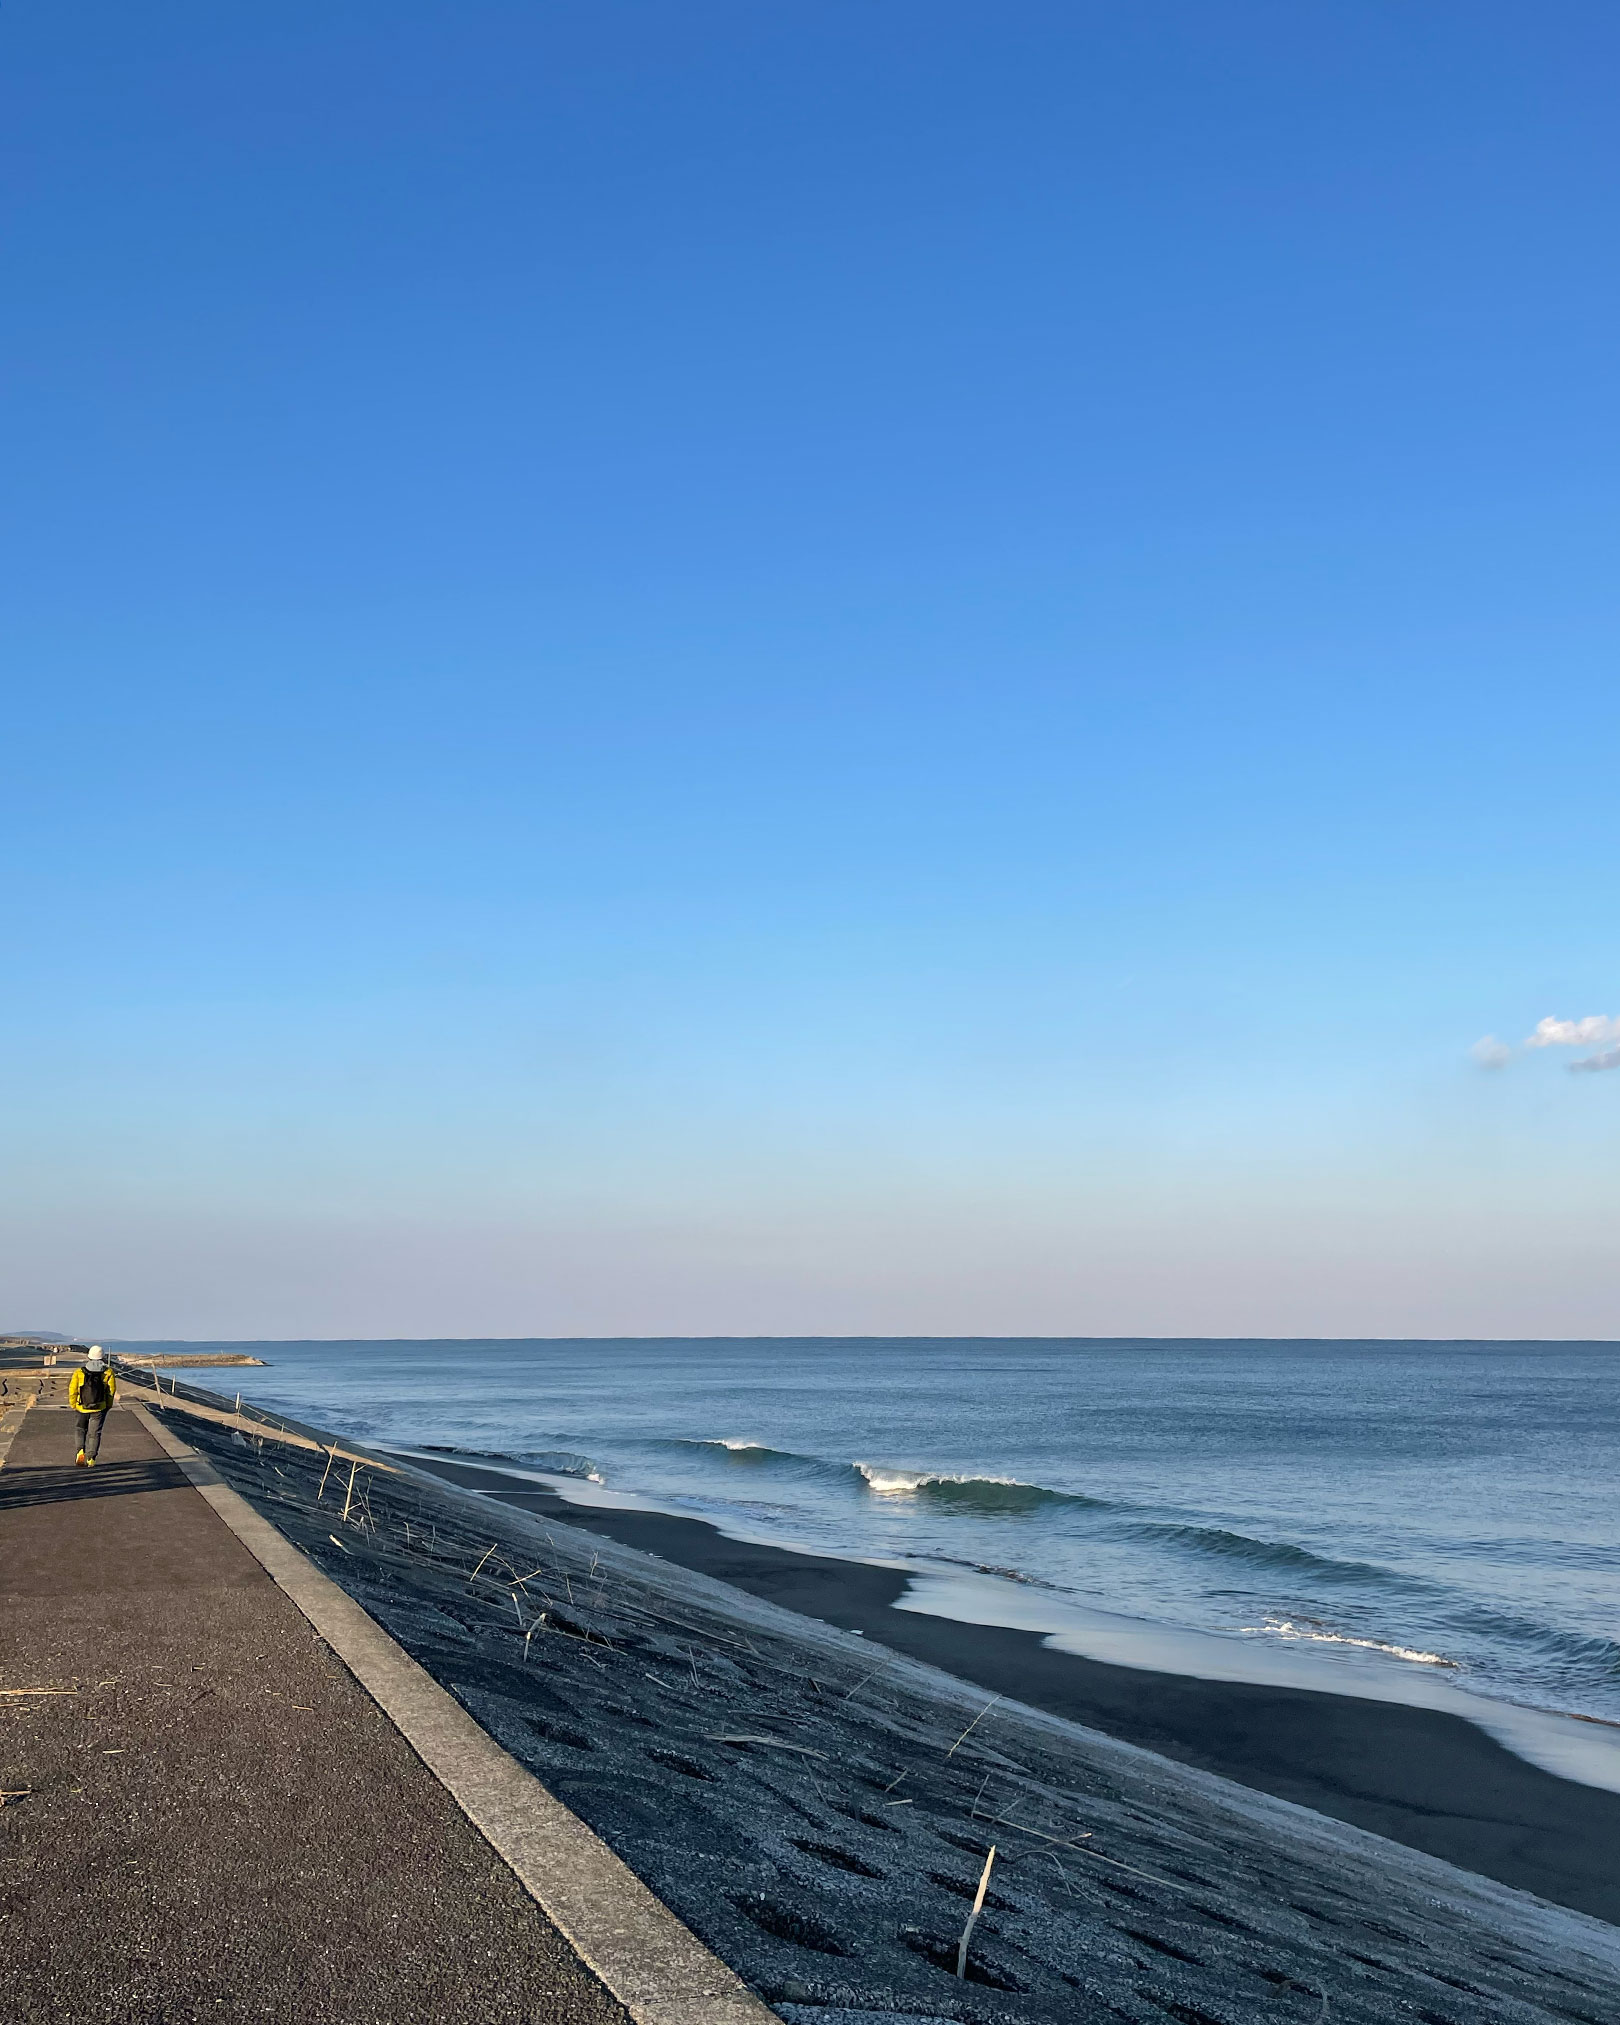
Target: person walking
{"points": [[91, 1390]]}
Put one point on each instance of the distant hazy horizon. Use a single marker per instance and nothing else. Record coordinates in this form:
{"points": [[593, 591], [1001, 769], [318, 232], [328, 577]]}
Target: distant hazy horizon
{"points": [[926, 669]]}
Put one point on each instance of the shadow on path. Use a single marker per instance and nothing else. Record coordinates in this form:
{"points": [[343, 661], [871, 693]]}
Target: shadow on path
{"points": [[67, 1483]]}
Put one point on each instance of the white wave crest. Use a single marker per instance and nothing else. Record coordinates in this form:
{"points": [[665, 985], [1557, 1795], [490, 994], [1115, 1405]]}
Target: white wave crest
{"points": [[891, 1483], [1285, 1628], [888, 1483]]}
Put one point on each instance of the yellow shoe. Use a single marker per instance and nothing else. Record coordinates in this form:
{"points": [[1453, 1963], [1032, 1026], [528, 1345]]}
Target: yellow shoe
{"points": [[89, 1462], [79, 1458]]}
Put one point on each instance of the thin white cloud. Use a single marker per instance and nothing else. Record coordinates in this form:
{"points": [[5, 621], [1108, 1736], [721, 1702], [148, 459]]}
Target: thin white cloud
{"points": [[1590, 1032], [1609, 1059], [1490, 1053]]}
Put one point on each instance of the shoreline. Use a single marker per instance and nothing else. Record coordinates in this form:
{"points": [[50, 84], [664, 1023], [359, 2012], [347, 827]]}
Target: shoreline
{"points": [[820, 1813], [1424, 1777]]}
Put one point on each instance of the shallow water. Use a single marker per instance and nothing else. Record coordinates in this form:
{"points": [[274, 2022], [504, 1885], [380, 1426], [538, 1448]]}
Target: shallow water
{"points": [[1443, 1511]]}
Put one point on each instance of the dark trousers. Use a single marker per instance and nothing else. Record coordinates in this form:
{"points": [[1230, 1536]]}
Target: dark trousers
{"points": [[90, 1432]]}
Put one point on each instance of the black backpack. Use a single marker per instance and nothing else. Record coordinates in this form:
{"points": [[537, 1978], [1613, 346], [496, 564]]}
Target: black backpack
{"points": [[95, 1395]]}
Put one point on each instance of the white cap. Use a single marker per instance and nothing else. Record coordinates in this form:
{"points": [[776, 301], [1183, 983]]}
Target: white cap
{"points": [[95, 1356]]}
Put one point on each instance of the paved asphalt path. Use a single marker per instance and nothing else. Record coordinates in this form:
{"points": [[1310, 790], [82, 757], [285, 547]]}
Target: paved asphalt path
{"points": [[218, 1822]]}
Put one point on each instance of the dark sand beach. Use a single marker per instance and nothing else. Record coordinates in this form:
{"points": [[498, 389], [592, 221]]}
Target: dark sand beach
{"points": [[1420, 1776], [818, 1806]]}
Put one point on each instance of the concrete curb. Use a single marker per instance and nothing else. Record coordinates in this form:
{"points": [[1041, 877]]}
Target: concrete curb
{"points": [[657, 1968]]}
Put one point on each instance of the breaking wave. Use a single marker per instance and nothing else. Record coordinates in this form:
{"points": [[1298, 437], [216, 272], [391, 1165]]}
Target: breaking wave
{"points": [[562, 1462], [1292, 1572], [948, 1490], [748, 1451], [987, 1495], [556, 1462]]}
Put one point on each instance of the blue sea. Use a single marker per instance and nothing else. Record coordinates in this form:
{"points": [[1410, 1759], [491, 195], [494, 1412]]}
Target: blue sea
{"points": [[1431, 1522]]}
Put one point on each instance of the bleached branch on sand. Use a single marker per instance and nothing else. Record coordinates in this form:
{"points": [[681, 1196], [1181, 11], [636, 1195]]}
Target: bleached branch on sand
{"points": [[978, 1907]]}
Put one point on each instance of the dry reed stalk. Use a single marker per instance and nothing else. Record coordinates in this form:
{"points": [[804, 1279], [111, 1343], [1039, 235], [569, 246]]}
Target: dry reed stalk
{"points": [[473, 1577], [1131, 1867], [331, 1457], [978, 1907], [349, 1498], [1057, 1841], [979, 1718]]}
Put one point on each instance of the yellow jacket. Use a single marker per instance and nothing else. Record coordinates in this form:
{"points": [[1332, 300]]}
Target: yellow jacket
{"points": [[76, 1386]]}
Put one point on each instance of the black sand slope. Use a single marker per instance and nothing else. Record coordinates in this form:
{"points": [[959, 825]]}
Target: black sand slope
{"points": [[807, 1800], [1419, 1776]]}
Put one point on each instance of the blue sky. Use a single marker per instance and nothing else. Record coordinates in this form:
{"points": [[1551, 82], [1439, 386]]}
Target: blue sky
{"points": [[808, 667]]}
